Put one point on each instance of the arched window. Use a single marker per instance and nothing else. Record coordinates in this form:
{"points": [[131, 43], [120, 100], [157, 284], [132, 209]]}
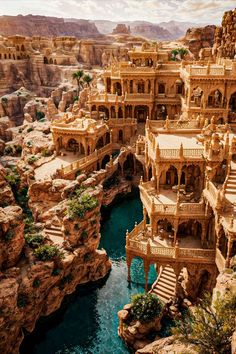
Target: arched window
{"points": [[161, 88]]}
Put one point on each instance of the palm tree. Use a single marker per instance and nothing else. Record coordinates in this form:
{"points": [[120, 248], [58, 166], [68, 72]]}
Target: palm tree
{"points": [[78, 76], [87, 79]]}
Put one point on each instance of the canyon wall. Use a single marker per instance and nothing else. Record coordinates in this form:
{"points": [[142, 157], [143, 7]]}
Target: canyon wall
{"points": [[46, 26], [225, 36], [198, 38]]}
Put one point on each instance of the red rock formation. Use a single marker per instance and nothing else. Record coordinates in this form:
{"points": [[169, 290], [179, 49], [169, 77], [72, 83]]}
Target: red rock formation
{"points": [[46, 26], [225, 36], [198, 38]]}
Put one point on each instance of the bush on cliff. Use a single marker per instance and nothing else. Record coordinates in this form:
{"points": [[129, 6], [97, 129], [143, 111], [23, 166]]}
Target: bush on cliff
{"points": [[78, 206], [47, 253], [145, 307], [210, 327], [34, 240]]}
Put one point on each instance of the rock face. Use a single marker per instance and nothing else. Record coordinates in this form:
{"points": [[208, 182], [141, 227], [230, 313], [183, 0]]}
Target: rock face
{"points": [[121, 29], [225, 36], [11, 236], [46, 26], [166, 346], [198, 38], [29, 287], [151, 31]]}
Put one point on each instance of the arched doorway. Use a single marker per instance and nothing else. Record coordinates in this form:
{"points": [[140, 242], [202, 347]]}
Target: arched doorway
{"points": [[105, 160], [214, 99], [105, 110], [117, 88], [141, 113], [197, 96], [72, 145], [232, 106], [45, 60], [120, 136], [189, 234], [99, 144]]}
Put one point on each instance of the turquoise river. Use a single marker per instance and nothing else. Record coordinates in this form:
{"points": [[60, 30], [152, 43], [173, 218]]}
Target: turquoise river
{"points": [[87, 322]]}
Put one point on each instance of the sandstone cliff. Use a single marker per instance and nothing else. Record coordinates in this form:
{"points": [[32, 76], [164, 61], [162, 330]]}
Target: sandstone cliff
{"points": [[33, 283], [198, 38], [225, 36], [46, 26]]}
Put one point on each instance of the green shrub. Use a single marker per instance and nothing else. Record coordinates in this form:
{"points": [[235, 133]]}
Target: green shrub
{"points": [[20, 130], [87, 257], [36, 283], [18, 149], [209, 328], [22, 300], [83, 236], [76, 227], [31, 160], [65, 280], [4, 99], [29, 143], [8, 150], [46, 153], [13, 178], [30, 129], [34, 240], [78, 206], [39, 115], [47, 253], [9, 235], [145, 307], [56, 271]]}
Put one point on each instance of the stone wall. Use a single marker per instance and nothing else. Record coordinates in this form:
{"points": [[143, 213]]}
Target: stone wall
{"points": [[225, 36]]}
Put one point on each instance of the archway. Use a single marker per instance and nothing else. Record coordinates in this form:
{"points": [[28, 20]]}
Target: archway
{"points": [[45, 60], [161, 88], [99, 144], [22, 48], [215, 99], [137, 272], [191, 179], [107, 138], [197, 96], [232, 106], [120, 113], [220, 173], [128, 166], [165, 229], [169, 178], [117, 88], [105, 110], [223, 242], [105, 160], [50, 61], [72, 145], [141, 86], [120, 136], [161, 111], [17, 48], [141, 113], [189, 234], [55, 62]]}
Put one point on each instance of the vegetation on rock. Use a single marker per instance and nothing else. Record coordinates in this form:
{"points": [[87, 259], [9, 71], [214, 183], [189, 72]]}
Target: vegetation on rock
{"points": [[145, 307], [34, 240], [209, 327], [80, 204], [47, 253]]}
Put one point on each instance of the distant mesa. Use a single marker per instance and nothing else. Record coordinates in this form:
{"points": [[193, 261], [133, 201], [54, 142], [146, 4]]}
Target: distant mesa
{"points": [[121, 28]]}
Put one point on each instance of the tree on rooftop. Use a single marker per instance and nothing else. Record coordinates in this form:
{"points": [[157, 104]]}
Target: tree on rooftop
{"points": [[87, 79], [78, 75], [209, 327]]}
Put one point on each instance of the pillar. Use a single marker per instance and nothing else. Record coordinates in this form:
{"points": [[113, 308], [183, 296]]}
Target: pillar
{"points": [[144, 218], [228, 253], [128, 262], [146, 271]]}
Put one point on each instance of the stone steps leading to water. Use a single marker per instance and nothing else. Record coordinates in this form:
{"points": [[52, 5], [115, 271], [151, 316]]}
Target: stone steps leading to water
{"points": [[165, 285]]}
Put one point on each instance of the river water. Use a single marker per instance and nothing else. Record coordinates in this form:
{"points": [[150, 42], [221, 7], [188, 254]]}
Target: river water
{"points": [[87, 322]]}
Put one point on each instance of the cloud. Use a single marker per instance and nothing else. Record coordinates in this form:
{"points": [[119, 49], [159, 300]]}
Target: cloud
{"points": [[198, 11]]}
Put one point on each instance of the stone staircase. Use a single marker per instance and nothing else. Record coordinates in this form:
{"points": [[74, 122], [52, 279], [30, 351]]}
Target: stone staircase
{"points": [[230, 191], [55, 234], [164, 287]]}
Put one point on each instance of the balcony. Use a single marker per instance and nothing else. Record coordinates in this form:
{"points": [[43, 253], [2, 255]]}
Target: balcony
{"points": [[139, 243]]}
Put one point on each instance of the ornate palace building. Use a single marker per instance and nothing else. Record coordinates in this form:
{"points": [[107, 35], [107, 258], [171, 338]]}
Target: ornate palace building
{"points": [[187, 156]]}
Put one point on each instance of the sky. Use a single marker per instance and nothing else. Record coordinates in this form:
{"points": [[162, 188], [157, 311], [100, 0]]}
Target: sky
{"points": [[197, 11]]}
